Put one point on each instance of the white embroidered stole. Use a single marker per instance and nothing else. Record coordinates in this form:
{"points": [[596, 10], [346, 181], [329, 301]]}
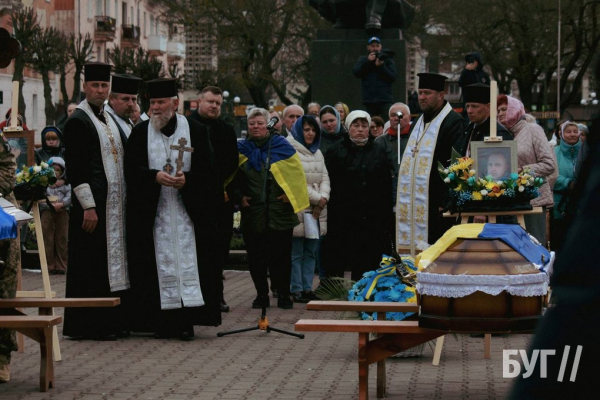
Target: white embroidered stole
{"points": [[122, 123], [412, 210], [174, 238], [118, 272]]}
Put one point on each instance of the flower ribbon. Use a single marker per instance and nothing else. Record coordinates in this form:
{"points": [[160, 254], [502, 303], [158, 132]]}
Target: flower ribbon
{"points": [[388, 268]]}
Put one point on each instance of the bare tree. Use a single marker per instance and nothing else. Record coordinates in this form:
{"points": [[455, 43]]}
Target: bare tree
{"points": [[263, 44], [47, 48], [518, 40], [25, 29], [80, 51]]}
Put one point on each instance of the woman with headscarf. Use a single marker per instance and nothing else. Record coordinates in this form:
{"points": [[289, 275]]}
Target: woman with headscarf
{"points": [[270, 187], [533, 153], [306, 138], [360, 202], [566, 157], [331, 128], [343, 109]]}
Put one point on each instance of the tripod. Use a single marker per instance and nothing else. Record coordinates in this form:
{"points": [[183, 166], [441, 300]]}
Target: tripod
{"points": [[263, 325]]}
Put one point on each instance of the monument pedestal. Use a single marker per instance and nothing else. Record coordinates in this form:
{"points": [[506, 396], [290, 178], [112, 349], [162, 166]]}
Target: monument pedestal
{"points": [[334, 54]]}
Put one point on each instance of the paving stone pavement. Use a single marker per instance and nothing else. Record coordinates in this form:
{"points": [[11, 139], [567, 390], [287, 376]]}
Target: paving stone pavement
{"points": [[252, 365]]}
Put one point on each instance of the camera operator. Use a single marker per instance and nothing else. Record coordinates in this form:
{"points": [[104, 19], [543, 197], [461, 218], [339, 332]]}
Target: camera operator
{"points": [[377, 72]]}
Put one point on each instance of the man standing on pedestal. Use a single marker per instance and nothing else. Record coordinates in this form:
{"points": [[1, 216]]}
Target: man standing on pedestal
{"points": [[422, 194], [224, 142], [122, 101], [173, 206], [97, 257], [377, 73]]}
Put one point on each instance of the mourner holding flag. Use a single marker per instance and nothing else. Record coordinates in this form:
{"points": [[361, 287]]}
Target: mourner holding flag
{"points": [[97, 264], [271, 188], [173, 204], [422, 194]]}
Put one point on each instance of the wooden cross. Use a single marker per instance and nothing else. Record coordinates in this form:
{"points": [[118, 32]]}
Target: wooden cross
{"points": [[181, 148]]}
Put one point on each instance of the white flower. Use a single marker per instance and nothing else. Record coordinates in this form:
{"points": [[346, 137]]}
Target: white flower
{"points": [[447, 180], [20, 174], [446, 171], [472, 172], [484, 192], [43, 165], [37, 169], [521, 188]]}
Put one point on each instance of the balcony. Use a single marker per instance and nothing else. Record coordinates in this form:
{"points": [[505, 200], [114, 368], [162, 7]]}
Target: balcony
{"points": [[106, 28], [157, 45], [130, 36], [175, 50]]}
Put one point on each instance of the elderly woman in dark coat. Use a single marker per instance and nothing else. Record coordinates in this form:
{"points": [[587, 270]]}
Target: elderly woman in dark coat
{"points": [[360, 202]]}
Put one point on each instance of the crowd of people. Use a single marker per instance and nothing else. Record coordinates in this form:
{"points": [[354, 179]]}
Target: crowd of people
{"points": [[147, 204]]}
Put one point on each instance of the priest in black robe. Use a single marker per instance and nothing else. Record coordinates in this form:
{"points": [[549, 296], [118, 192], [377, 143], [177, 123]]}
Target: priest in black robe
{"points": [[172, 209], [97, 265], [439, 117], [122, 101], [224, 142]]}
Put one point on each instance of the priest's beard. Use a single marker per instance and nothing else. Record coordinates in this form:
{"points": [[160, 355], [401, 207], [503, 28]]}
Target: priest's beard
{"points": [[160, 121]]}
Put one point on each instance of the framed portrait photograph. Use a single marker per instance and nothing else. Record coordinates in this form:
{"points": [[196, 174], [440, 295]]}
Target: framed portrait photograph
{"points": [[496, 159], [22, 145]]}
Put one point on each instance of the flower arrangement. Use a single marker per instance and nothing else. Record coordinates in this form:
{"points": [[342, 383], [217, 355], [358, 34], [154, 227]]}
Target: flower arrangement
{"points": [[386, 284], [32, 181], [36, 175], [466, 187]]}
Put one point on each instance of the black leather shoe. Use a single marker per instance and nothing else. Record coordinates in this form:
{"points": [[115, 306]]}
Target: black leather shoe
{"points": [[186, 336], [284, 302], [224, 306], [261, 301]]}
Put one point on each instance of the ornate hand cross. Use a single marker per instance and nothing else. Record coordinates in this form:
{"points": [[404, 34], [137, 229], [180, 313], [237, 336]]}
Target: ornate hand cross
{"points": [[181, 148]]}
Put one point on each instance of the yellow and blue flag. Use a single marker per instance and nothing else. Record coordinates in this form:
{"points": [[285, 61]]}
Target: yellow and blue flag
{"points": [[513, 235], [286, 167]]}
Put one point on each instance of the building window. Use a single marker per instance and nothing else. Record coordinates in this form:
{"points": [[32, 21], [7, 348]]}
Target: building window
{"points": [[99, 53], [90, 9], [117, 11], [145, 33], [152, 25]]}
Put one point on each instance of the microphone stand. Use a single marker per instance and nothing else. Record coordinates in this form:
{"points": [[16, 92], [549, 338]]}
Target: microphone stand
{"points": [[263, 321]]}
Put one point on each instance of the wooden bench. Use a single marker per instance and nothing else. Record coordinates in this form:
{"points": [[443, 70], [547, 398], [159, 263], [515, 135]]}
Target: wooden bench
{"points": [[45, 306], [38, 328], [393, 336]]}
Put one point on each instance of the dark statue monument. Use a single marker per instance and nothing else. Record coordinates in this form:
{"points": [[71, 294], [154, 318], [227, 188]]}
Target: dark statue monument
{"points": [[367, 14]]}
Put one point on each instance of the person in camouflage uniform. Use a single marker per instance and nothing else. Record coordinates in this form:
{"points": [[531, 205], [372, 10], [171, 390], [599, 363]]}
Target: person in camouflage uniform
{"points": [[10, 255]]}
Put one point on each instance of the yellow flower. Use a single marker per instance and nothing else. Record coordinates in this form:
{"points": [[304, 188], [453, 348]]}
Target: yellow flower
{"points": [[458, 188], [490, 185], [496, 192], [476, 196]]}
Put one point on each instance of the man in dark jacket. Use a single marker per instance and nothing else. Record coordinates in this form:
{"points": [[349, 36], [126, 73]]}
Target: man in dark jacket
{"points": [[377, 72], [224, 142], [477, 101]]}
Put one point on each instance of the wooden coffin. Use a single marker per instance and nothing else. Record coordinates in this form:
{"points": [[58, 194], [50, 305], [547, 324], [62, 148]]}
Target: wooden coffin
{"points": [[496, 270]]}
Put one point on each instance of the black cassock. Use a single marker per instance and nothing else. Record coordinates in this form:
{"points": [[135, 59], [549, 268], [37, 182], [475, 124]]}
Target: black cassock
{"points": [[203, 199], [87, 272]]}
